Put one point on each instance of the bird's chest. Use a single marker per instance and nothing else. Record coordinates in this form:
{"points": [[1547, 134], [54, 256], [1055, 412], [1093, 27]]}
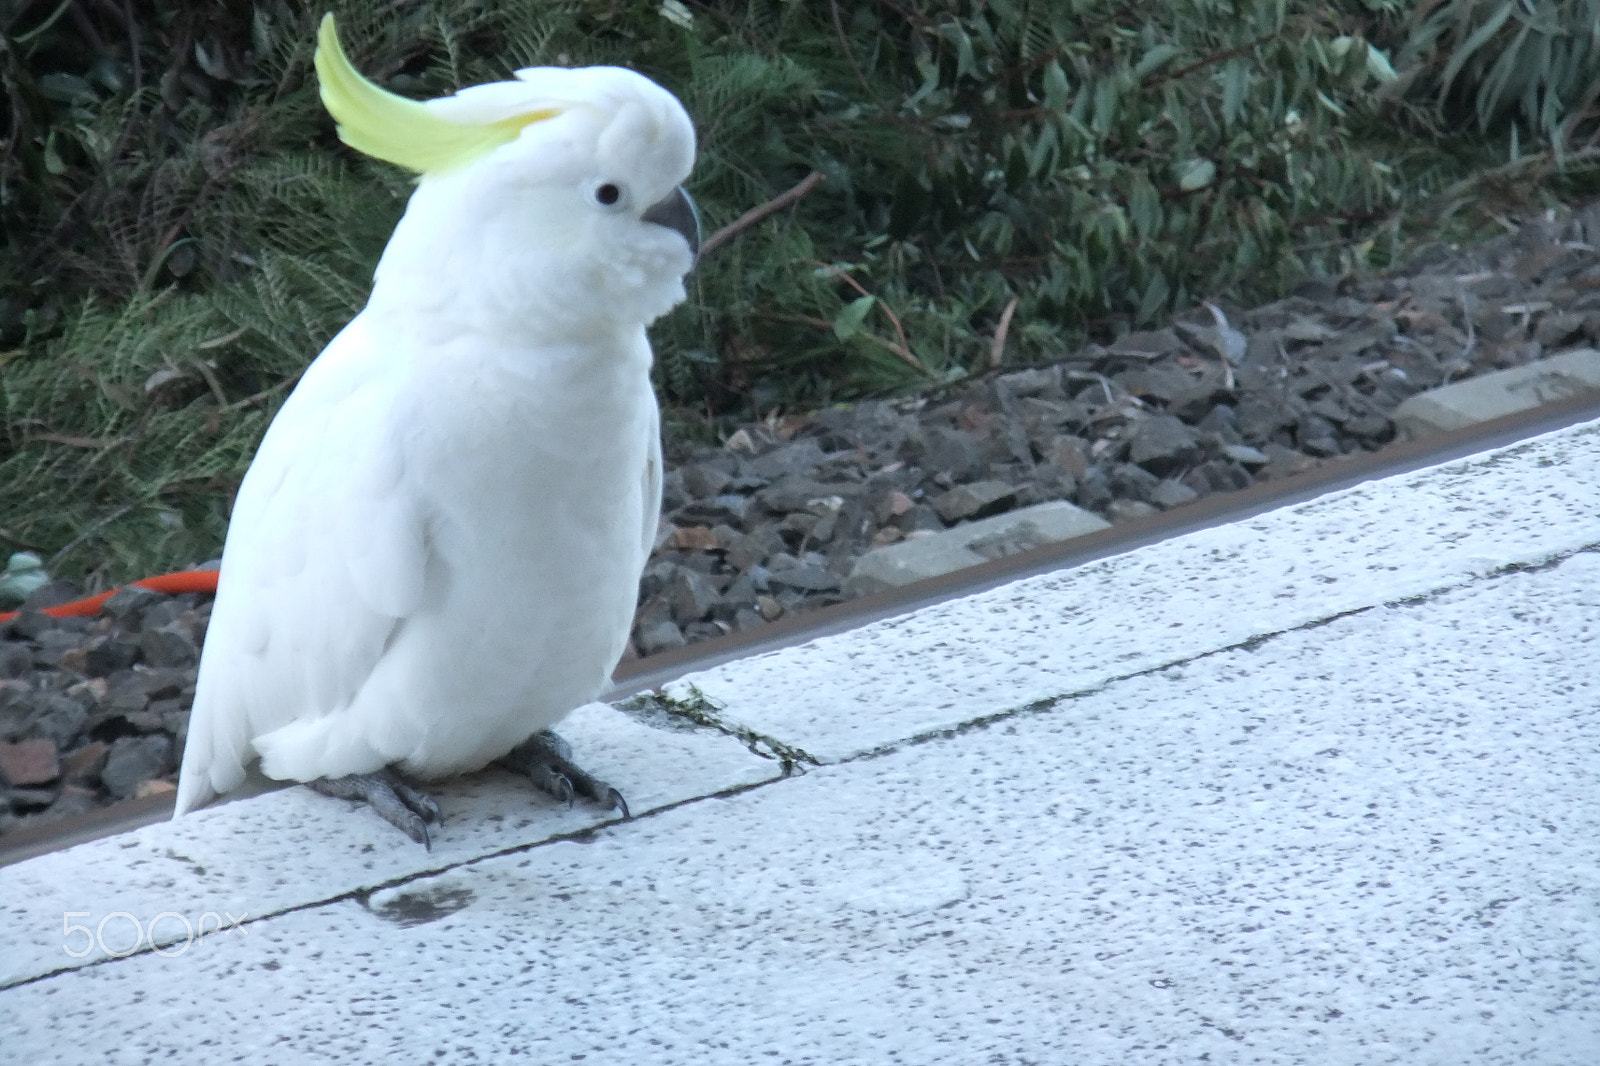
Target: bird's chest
{"points": [[540, 464]]}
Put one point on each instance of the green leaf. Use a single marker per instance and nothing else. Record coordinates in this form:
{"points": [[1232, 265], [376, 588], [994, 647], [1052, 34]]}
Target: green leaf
{"points": [[1378, 65], [1195, 174], [1154, 299], [1459, 58], [966, 60], [1057, 90], [1144, 204], [67, 88], [1106, 97], [1235, 80], [1154, 60], [848, 322], [52, 158]]}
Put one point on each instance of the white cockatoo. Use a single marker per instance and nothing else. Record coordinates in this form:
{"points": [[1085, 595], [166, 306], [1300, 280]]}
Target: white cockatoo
{"points": [[436, 552]]}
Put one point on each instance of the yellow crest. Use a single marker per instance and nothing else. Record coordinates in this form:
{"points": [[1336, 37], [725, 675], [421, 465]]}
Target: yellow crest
{"points": [[397, 130]]}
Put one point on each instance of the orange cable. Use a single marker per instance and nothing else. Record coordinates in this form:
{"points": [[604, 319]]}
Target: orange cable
{"points": [[171, 584]]}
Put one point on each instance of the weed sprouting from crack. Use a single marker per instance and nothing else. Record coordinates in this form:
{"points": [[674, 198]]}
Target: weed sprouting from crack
{"points": [[692, 709]]}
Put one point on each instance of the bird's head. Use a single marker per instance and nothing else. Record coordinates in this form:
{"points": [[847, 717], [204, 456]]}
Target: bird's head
{"points": [[556, 195]]}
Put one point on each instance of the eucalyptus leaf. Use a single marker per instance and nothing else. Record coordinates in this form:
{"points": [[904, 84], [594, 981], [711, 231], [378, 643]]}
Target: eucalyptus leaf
{"points": [[1195, 174], [852, 317]]}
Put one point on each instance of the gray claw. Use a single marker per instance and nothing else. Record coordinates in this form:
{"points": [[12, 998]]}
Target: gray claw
{"points": [[546, 760], [396, 802]]}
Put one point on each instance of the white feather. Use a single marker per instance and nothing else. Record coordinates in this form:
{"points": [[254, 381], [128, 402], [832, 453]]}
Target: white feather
{"points": [[436, 551]]}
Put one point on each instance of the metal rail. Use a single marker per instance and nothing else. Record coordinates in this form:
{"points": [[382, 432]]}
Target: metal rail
{"points": [[640, 675]]}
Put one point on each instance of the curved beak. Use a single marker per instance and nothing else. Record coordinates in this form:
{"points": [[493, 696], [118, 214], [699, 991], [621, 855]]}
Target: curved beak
{"points": [[676, 212]]}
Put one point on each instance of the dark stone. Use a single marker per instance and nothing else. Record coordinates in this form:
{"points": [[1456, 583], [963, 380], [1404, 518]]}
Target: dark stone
{"points": [[1128, 510], [1169, 494], [747, 618], [794, 457], [1258, 421], [164, 613], [742, 593], [51, 594], [1132, 482], [977, 500], [1198, 401], [1160, 382], [1094, 490], [1070, 454], [85, 763], [796, 528], [659, 637], [673, 493], [1039, 381], [126, 691], [1010, 440], [953, 452], [30, 799], [1163, 445], [1049, 483], [27, 763], [1225, 476], [57, 717], [72, 799], [52, 645], [729, 509], [704, 631], [655, 578], [1370, 427], [823, 531], [1244, 455], [15, 661], [748, 483], [693, 596], [127, 603], [16, 708], [1222, 421], [702, 479], [133, 760], [1043, 420], [755, 548], [806, 577], [168, 645], [107, 654], [1146, 345], [1316, 435], [1330, 409], [793, 492], [921, 516]]}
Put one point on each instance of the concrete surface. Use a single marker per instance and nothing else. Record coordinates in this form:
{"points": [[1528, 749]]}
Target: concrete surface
{"points": [[1316, 787], [969, 544], [1503, 392]]}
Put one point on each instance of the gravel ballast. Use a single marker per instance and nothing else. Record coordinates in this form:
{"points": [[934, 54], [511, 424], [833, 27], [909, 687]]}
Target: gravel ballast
{"points": [[777, 519]]}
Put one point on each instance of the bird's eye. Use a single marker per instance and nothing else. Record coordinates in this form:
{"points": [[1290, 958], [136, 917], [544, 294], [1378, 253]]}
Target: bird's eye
{"points": [[607, 194]]}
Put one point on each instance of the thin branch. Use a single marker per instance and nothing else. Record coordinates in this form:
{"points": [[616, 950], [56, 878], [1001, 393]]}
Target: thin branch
{"points": [[6, 534], [758, 214], [83, 537], [856, 285], [821, 323], [248, 401]]}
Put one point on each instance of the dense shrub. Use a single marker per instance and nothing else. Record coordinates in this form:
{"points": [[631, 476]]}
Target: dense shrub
{"points": [[183, 232]]}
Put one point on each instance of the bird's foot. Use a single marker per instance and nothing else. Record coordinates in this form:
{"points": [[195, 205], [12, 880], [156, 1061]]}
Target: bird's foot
{"points": [[395, 801], [546, 760]]}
